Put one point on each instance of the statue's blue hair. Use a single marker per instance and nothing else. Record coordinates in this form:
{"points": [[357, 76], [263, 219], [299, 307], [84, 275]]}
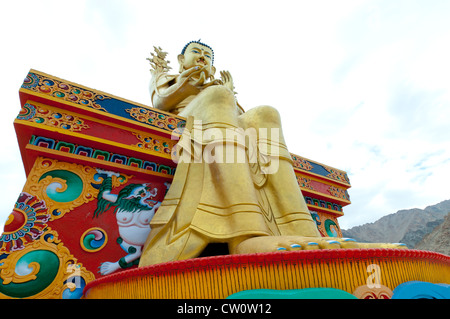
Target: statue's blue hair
{"points": [[201, 43]]}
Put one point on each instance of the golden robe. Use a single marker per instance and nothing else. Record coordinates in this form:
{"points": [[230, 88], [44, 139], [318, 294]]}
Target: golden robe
{"points": [[210, 202]]}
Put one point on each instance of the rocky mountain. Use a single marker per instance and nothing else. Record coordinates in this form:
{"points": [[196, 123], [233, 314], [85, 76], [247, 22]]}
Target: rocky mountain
{"points": [[407, 226], [438, 240]]}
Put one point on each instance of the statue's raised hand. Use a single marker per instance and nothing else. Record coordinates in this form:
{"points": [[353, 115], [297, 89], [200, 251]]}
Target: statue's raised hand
{"points": [[227, 80], [188, 74], [198, 76]]}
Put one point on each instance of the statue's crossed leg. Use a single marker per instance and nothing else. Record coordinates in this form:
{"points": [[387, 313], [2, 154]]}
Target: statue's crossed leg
{"points": [[263, 244]]}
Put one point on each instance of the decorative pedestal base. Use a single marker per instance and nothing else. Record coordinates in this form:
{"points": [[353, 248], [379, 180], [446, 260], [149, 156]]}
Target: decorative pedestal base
{"points": [[351, 273]]}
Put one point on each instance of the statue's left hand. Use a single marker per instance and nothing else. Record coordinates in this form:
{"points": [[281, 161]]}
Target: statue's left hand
{"points": [[227, 80]]}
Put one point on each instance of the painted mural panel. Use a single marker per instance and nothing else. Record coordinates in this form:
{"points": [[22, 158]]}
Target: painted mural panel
{"points": [[71, 224]]}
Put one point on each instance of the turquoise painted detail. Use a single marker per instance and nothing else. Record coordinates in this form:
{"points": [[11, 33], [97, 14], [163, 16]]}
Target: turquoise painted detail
{"points": [[76, 293], [306, 293], [73, 190], [421, 290]]}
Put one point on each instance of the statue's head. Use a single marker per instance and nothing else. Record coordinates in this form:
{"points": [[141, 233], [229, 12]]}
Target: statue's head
{"points": [[196, 53]]}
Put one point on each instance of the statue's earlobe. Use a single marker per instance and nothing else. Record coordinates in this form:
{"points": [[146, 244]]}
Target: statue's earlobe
{"points": [[213, 70]]}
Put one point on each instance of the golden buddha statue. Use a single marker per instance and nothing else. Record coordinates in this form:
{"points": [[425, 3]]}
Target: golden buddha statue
{"points": [[252, 203]]}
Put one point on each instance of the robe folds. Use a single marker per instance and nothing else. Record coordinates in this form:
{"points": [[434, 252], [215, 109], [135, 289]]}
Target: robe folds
{"points": [[234, 179]]}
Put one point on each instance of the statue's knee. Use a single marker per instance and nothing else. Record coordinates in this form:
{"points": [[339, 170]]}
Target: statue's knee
{"points": [[269, 112], [267, 115]]}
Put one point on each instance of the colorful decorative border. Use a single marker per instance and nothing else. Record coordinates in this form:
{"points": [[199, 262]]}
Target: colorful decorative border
{"points": [[53, 117], [323, 204], [68, 92], [90, 152], [157, 119], [320, 169], [154, 143], [63, 90], [41, 115], [311, 184]]}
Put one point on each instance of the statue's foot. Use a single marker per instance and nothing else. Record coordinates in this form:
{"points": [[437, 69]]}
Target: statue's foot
{"points": [[290, 243]]}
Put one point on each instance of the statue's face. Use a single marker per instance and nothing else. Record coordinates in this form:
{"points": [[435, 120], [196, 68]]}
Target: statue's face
{"points": [[197, 55]]}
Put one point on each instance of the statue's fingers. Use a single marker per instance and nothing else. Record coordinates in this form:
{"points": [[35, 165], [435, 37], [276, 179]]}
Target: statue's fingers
{"points": [[227, 76], [202, 79], [223, 76]]}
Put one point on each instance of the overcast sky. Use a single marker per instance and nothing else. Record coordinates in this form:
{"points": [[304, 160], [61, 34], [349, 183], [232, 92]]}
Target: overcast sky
{"points": [[362, 86]]}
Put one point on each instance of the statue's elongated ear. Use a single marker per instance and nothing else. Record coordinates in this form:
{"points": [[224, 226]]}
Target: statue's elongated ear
{"points": [[181, 61], [213, 70], [180, 58]]}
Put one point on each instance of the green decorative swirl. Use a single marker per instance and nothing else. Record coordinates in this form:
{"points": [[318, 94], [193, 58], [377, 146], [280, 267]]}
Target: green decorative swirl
{"points": [[49, 266], [328, 224], [74, 186]]}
